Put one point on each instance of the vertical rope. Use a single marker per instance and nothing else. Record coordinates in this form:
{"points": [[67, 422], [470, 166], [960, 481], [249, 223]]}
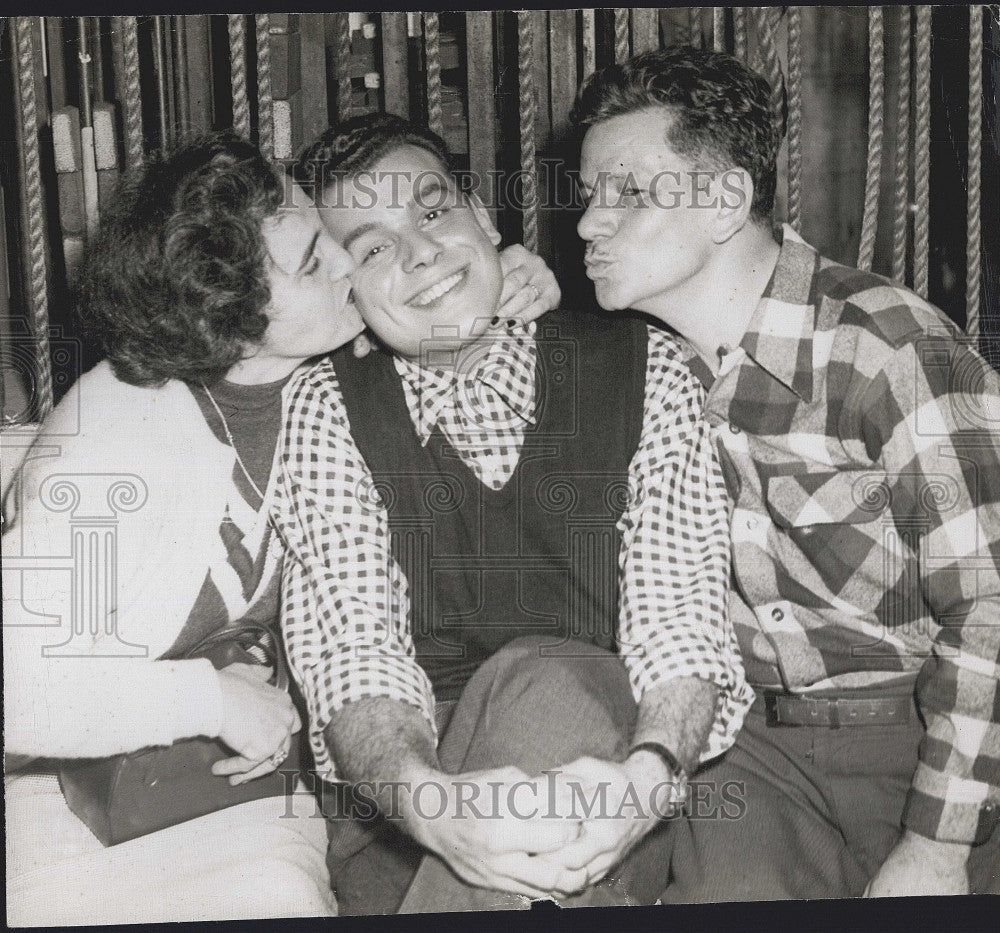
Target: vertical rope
{"points": [[768, 49], [265, 100], [432, 49], [344, 92], [974, 186], [740, 32], [719, 28], [238, 63], [133, 96], [526, 108], [922, 151], [28, 110], [902, 171], [876, 89], [795, 117], [621, 34]]}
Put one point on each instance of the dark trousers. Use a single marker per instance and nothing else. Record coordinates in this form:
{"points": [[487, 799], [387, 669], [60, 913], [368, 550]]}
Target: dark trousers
{"points": [[820, 812], [530, 707]]}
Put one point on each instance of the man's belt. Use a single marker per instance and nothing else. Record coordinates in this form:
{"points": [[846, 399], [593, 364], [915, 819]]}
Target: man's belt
{"points": [[833, 712]]}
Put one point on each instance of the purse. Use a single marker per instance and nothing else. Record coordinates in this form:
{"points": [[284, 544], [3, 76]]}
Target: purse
{"points": [[126, 796]]}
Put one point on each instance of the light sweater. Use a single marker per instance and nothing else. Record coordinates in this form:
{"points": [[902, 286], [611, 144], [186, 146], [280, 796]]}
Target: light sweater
{"points": [[102, 703]]}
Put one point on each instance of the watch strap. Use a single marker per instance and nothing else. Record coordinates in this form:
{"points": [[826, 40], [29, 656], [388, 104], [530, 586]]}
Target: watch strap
{"points": [[664, 753]]}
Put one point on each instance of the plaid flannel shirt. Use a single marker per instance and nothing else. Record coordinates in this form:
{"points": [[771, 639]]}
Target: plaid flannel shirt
{"points": [[346, 606], [859, 434]]}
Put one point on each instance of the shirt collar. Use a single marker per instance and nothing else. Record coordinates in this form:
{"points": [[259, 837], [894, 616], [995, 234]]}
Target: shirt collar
{"points": [[505, 364], [779, 337]]}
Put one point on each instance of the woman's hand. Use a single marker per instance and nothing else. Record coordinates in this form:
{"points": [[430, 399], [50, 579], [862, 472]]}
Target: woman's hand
{"points": [[529, 286], [258, 722]]}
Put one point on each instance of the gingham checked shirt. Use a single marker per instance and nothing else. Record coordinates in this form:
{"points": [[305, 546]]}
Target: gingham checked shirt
{"points": [[858, 434], [346, 609]]}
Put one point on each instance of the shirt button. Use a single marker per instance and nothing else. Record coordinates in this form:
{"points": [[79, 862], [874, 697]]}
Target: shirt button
{"points": [[752, 523], [777, 615]]}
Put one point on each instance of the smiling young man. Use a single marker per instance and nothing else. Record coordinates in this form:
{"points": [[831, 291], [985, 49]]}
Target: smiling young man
{"points": [[857, 434], [527, 557]]}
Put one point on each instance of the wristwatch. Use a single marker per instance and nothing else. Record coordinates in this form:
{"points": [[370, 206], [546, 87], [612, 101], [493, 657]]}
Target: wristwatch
{"points": [[678, 786]]}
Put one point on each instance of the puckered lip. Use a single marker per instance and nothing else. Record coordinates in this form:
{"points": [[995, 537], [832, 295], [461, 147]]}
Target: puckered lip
{"points": [[436, 280], [596, 266]]}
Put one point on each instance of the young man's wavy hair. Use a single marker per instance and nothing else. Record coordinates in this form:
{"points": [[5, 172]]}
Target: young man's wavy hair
{"points": [[354, 146], [175, 284], [721, 111]]}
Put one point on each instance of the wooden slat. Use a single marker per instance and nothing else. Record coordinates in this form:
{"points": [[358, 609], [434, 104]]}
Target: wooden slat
{"points": [[199, 70], [312, 56], [562, 53], [481, 108], [286, 58], [183, 87], [395, 64], [169, 58], [105, 150], [97, 57], [57, 61], [645, 30], [69, 182], [286, 84], [288, 138]]}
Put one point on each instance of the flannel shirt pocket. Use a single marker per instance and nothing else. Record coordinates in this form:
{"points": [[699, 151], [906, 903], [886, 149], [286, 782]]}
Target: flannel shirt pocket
{"points": [[850, 497]]}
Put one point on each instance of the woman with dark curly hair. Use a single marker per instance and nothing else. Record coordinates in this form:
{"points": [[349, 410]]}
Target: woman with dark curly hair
{"points": [[210, 282]]}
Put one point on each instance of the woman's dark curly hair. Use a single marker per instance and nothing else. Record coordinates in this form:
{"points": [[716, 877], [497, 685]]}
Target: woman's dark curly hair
{"points": [[722, 111], [174, 285]]}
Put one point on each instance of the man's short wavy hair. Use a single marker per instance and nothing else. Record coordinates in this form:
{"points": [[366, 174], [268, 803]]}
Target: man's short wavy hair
{"points": [[354, 146], [721, 110], [175, 285]]}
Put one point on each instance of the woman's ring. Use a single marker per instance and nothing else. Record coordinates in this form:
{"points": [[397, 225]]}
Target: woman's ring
{"points": [[278, 757]]}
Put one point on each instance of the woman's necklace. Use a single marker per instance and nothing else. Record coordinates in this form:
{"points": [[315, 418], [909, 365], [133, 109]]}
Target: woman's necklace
{"points": [[232, 443]]}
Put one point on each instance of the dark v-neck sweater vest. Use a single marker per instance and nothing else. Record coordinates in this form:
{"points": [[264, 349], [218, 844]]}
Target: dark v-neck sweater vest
{"points": [[539, 556]]}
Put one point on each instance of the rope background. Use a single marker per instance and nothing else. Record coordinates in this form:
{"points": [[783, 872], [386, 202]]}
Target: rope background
{"points": [[902, 170], [432, 50], [922, 152], [767, 18], [873, 175], [265, 100], [621, 34], [133, 98], [795, 117], [541, 98], [740, 44], [36, 215], [238, 63], [526, 108], [975, 179], [345, 92]]}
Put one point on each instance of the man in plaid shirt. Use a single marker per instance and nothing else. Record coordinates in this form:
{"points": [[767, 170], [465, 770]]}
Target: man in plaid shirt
{"points": [[512, 538], [857, 431]]}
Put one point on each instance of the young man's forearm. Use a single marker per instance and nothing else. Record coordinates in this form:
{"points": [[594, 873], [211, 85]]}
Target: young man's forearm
{"points": [[678, 714], [382, 741]]}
